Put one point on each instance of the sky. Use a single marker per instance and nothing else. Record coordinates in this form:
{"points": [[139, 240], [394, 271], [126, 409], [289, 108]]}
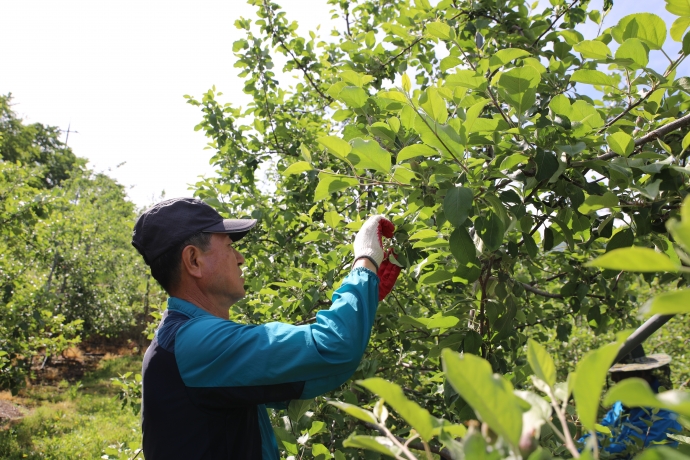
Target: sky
{"points": [[116, 71]]}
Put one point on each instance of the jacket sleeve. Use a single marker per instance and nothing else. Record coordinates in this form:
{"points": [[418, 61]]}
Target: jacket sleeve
{"points": [[216, 353]]}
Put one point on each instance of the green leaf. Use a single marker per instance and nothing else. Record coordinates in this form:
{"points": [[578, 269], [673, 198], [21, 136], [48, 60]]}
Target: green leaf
{"points": [[634, 259], [595, 202], [621, 143], [635, 392], [406, 83], [635, 50], [416, 150], [353, 96], [590, 377], [331, 183], [622, 239], [403, 174], [679, 27], [297, 168], [560, 104], [434, 105], [462, 247], [416, 416], [380, 444], [435, 277], [680, 230], [678, 7], [472, 115], [669, 303], [541, 362], [492, 232], [593, 49], [369, 155], [686, 141], [355, 78], [457, 205], [355, 411], [287, 439], [298, 407], [332, 218], [336, 146], [439, 29], [661, 453], [443, 137], [513, 160], [490, 395], [506, 55], [547, 165], [467, 79], [517, 87], [648, 27], [592, 77]]}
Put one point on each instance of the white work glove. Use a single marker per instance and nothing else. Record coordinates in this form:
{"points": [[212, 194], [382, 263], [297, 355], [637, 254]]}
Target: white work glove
{"points": [[368, 243]]}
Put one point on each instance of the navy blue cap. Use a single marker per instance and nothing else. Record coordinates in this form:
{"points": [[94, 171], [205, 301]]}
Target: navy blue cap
{"points": [[172, 221]]}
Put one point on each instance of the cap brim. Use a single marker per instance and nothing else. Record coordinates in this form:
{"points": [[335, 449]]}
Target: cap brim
{"points": [[645, 363], [237, 228]]}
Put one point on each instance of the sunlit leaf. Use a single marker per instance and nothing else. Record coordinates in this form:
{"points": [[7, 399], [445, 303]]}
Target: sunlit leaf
{"points": [[635, 50], [621, 143], [369, 155], [669, 303], [490, 395], [634, 259], [592, 77], [331, 183], [419, 418], [416, 150], [541, 362], [589, 382], [297, 168], [593, 49], [648, 27], [635, 392]]}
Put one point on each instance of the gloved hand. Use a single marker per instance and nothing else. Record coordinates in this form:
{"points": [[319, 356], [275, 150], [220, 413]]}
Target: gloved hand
{"points": [[368, 243]]}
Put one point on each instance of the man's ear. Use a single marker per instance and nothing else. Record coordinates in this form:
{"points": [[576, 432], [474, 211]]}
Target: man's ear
{"points": [[190, 261]]}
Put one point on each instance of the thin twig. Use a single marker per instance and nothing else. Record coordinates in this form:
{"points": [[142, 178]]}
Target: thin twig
{"points": [[443, 453], [554, 22], [564, 425]]}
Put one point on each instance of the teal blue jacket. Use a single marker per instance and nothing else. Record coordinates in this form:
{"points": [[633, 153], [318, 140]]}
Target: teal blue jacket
{"points": [[207, 381]]}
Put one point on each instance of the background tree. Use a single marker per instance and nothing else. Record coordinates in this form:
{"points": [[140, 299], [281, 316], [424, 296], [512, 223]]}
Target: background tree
{"points": [[67, 268]]}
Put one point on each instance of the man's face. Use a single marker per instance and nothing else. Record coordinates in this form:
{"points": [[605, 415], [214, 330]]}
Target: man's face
{"points": [[222, 276]]}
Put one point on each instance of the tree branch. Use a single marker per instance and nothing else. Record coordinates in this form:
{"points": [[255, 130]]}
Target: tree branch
{"points": [[652, 135]]}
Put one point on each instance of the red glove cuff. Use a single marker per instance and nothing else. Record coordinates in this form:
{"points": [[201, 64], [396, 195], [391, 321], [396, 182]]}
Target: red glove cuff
{"points": [[388, 274]]}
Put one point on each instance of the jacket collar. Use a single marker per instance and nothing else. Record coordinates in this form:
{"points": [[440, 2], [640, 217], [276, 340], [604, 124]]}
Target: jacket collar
{"points": [[188, 308]]}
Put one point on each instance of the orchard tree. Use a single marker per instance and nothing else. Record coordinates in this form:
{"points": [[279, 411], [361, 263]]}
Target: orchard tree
{"points": [[509, 150], [67, 268]]}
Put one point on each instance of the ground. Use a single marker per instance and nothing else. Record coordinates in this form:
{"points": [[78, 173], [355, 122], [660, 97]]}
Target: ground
{"points": [[70, 409]]}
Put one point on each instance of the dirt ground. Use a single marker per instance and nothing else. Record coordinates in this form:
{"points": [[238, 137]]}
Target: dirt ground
{"points": [[71, 366], [9, 412]]}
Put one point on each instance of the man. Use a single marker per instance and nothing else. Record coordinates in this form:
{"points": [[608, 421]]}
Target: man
{"points": [[633, 428], [206, 379]]}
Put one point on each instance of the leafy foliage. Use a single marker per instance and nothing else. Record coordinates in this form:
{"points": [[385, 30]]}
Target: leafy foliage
{"points": [[508, 149], [67, 269]]}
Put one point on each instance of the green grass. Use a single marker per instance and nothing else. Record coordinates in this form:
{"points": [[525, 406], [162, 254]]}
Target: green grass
{"points": [[69, 421]]}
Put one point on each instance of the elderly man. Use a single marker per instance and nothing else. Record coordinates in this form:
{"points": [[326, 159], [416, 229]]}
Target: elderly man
{"points": [[206, 379]]}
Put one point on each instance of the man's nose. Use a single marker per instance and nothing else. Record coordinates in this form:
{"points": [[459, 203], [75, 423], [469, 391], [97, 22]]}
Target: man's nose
{"points": [[239, 257]]}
